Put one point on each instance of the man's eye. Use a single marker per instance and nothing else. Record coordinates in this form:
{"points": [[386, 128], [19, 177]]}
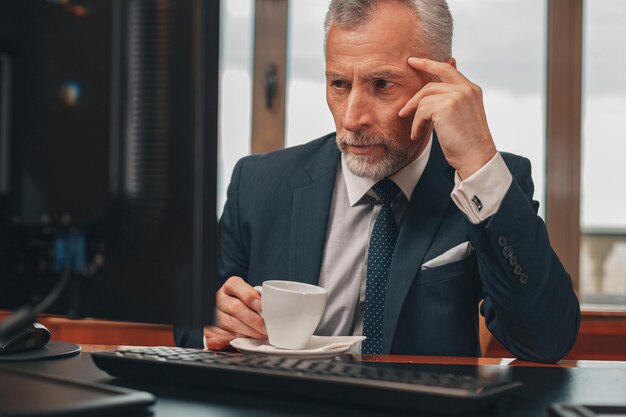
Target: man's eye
{"points": [[339, 84], [382, 84]]}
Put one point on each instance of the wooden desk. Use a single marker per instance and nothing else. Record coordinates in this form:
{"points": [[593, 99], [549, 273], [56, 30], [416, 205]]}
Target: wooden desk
{"points": [[91, 331], [587, 382], [602, 335]]}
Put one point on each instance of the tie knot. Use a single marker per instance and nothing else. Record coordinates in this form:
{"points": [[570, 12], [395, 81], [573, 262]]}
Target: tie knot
{"points": [[386, 190]]}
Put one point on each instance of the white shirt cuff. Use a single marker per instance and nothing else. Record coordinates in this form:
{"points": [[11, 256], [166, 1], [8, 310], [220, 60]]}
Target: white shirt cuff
{"points": [[480, 195], [204, 342]]}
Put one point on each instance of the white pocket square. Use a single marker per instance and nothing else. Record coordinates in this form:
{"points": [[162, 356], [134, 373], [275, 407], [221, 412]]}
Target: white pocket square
{"points": [[457, 253]]}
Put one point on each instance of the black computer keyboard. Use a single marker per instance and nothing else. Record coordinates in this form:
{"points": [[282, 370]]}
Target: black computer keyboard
{"points": [[336, 380]]}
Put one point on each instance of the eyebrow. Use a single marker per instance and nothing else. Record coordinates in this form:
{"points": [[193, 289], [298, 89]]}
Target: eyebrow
{"points": [[384, 75], [334, 75], [377, 75]]}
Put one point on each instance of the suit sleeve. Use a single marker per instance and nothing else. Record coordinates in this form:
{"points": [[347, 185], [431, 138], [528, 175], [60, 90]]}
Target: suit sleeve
{"points": [[191, 338], [233, 251], [529, 303]]}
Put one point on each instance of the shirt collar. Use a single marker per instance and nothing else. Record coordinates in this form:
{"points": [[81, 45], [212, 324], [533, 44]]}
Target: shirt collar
{"points": [[406, 178]]}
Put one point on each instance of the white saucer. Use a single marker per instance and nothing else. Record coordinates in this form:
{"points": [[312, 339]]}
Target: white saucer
{"points": [[319, 347]]}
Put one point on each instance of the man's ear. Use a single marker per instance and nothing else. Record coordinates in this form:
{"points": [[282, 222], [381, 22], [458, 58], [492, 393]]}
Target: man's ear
{"points": [[452, 62]]}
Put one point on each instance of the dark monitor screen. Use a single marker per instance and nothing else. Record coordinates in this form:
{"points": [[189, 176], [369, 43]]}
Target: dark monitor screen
{"points": [[108, 140]]}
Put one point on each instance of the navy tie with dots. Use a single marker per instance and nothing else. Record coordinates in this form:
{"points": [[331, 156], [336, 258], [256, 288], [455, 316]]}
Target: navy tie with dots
{"points": [[382, 244]]}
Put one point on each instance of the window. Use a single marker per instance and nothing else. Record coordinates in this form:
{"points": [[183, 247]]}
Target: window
{"points": [[235, 79], [603, 202], [501, 47], [307, 113]]}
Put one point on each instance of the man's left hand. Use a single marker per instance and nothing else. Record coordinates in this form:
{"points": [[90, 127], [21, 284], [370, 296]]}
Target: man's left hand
{"points": [[454, 105]]}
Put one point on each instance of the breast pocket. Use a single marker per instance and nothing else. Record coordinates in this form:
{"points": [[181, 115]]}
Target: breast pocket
{"points": [[451, 271]]}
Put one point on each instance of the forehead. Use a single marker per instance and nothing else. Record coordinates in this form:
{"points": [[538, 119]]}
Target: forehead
{"points": [[388, 36]]}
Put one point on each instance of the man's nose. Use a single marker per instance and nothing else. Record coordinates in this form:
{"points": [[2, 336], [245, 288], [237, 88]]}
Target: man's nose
{"points": [[357, 114]]}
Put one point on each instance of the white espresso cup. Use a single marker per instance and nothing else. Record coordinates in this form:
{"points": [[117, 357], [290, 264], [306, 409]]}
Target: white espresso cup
{"points": [[292, 311]]}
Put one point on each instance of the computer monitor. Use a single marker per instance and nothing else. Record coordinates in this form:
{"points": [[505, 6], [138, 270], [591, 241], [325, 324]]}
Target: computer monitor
{"points": [[108, 141]]}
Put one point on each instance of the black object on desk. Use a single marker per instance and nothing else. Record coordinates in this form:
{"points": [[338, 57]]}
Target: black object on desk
{"points": [[379, 385], [26, 394], [568, 410], [33, 336], [54, 349]]}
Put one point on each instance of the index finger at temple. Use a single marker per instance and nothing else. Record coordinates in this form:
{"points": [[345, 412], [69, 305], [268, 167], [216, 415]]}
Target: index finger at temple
{"points": [[444, 71]]}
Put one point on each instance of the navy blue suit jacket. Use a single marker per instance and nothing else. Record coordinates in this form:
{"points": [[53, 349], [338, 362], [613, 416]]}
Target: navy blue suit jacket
{"points": [[274, 227]]}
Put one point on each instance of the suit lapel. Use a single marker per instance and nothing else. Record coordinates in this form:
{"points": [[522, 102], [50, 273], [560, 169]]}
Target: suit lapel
{"points": [[429, 202], [309, 219]]}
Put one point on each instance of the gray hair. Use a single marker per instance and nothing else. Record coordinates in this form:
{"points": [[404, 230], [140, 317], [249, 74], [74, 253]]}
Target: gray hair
{"points": [[435, 22]]}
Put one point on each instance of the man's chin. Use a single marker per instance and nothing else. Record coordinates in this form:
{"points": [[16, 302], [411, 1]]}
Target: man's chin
{"points": [[367, 167]]}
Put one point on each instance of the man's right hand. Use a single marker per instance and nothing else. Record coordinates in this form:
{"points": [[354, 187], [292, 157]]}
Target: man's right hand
{"points": [[237, 315]]}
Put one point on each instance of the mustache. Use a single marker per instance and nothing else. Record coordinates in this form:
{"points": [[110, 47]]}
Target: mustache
{"points": [[361, 138]]}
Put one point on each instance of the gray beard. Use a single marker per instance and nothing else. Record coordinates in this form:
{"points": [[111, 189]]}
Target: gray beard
{"points": [[365, 166]]}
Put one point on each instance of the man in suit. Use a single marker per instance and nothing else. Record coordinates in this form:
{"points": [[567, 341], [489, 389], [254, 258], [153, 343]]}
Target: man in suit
{"points": [[412, 145]]}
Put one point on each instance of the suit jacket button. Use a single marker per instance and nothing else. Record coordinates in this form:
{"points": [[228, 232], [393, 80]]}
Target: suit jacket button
{"points": [[502, 241], [523, 279], [507, 251], [518, 270], [513, 260]]}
